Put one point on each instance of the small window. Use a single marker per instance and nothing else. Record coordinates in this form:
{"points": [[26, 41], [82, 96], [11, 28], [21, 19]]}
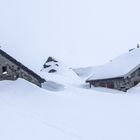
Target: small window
{"points": [[18, 68], [4, 70]]}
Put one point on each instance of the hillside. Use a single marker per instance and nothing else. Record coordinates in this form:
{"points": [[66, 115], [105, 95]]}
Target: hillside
{"points": [[67, 109], [28, 112]]}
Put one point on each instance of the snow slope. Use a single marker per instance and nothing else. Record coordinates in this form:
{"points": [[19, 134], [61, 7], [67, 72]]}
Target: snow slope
{"points": [[28, 112], [66, 110], [63, 77]]}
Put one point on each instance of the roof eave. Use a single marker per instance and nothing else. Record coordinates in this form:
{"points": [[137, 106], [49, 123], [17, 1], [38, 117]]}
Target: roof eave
{"points": [[90, 80]]}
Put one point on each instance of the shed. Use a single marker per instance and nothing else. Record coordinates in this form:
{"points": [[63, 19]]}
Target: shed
{"points": [[121, 73], [11, 69], [123, 83]]}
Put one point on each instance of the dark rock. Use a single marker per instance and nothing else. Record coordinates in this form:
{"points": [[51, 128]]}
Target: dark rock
{"points": [[131, 49], [52, 71], [46, 66], [50, 59]]}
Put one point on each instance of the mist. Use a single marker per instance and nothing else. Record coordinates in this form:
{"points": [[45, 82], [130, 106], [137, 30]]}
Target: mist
{"points": [[78, 32]]}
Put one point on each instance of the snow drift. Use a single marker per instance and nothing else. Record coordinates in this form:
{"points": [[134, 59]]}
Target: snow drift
{"points": [[59, 76], [28, 112]]}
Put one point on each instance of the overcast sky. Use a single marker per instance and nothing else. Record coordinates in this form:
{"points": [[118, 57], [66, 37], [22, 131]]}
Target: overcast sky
{"points": [[79, 32]]}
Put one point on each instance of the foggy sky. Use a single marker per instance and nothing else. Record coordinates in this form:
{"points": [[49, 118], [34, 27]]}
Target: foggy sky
{"points": [[79, 32]]}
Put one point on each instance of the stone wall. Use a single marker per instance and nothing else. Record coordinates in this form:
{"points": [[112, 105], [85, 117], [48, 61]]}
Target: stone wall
{"points": [[11, 71], [122, 84], [117, 83]]}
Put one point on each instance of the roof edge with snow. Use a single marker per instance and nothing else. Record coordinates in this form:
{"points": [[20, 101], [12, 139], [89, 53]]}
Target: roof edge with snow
{"points": [[116, 77]]}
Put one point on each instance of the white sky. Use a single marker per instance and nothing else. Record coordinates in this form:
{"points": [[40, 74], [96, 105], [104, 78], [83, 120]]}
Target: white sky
{"points": [[79, 32]]}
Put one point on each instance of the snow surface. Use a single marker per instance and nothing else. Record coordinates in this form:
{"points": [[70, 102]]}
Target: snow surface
{"points": [[28, 112], [66, 109]]}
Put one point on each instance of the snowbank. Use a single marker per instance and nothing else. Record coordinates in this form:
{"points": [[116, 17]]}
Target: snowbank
{"points": [[30, 113], [61, 78]]}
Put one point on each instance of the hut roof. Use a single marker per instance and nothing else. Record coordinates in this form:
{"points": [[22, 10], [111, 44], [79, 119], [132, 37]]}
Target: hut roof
{"points": [[122, 66]]}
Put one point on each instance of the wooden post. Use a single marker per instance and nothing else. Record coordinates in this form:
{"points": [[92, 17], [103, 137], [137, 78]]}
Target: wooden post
{"points": [[90, 85]]}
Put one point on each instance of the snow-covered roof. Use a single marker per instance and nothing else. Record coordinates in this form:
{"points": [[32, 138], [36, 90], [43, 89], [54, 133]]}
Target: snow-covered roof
{"points": [[119, 67]]}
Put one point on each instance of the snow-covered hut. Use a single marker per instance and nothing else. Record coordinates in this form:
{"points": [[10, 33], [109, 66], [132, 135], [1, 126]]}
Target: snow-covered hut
{"points": [[122, 73], [11, 69]]}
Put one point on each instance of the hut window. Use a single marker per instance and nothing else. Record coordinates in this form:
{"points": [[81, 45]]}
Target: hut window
{"points": [[4, 70]]}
